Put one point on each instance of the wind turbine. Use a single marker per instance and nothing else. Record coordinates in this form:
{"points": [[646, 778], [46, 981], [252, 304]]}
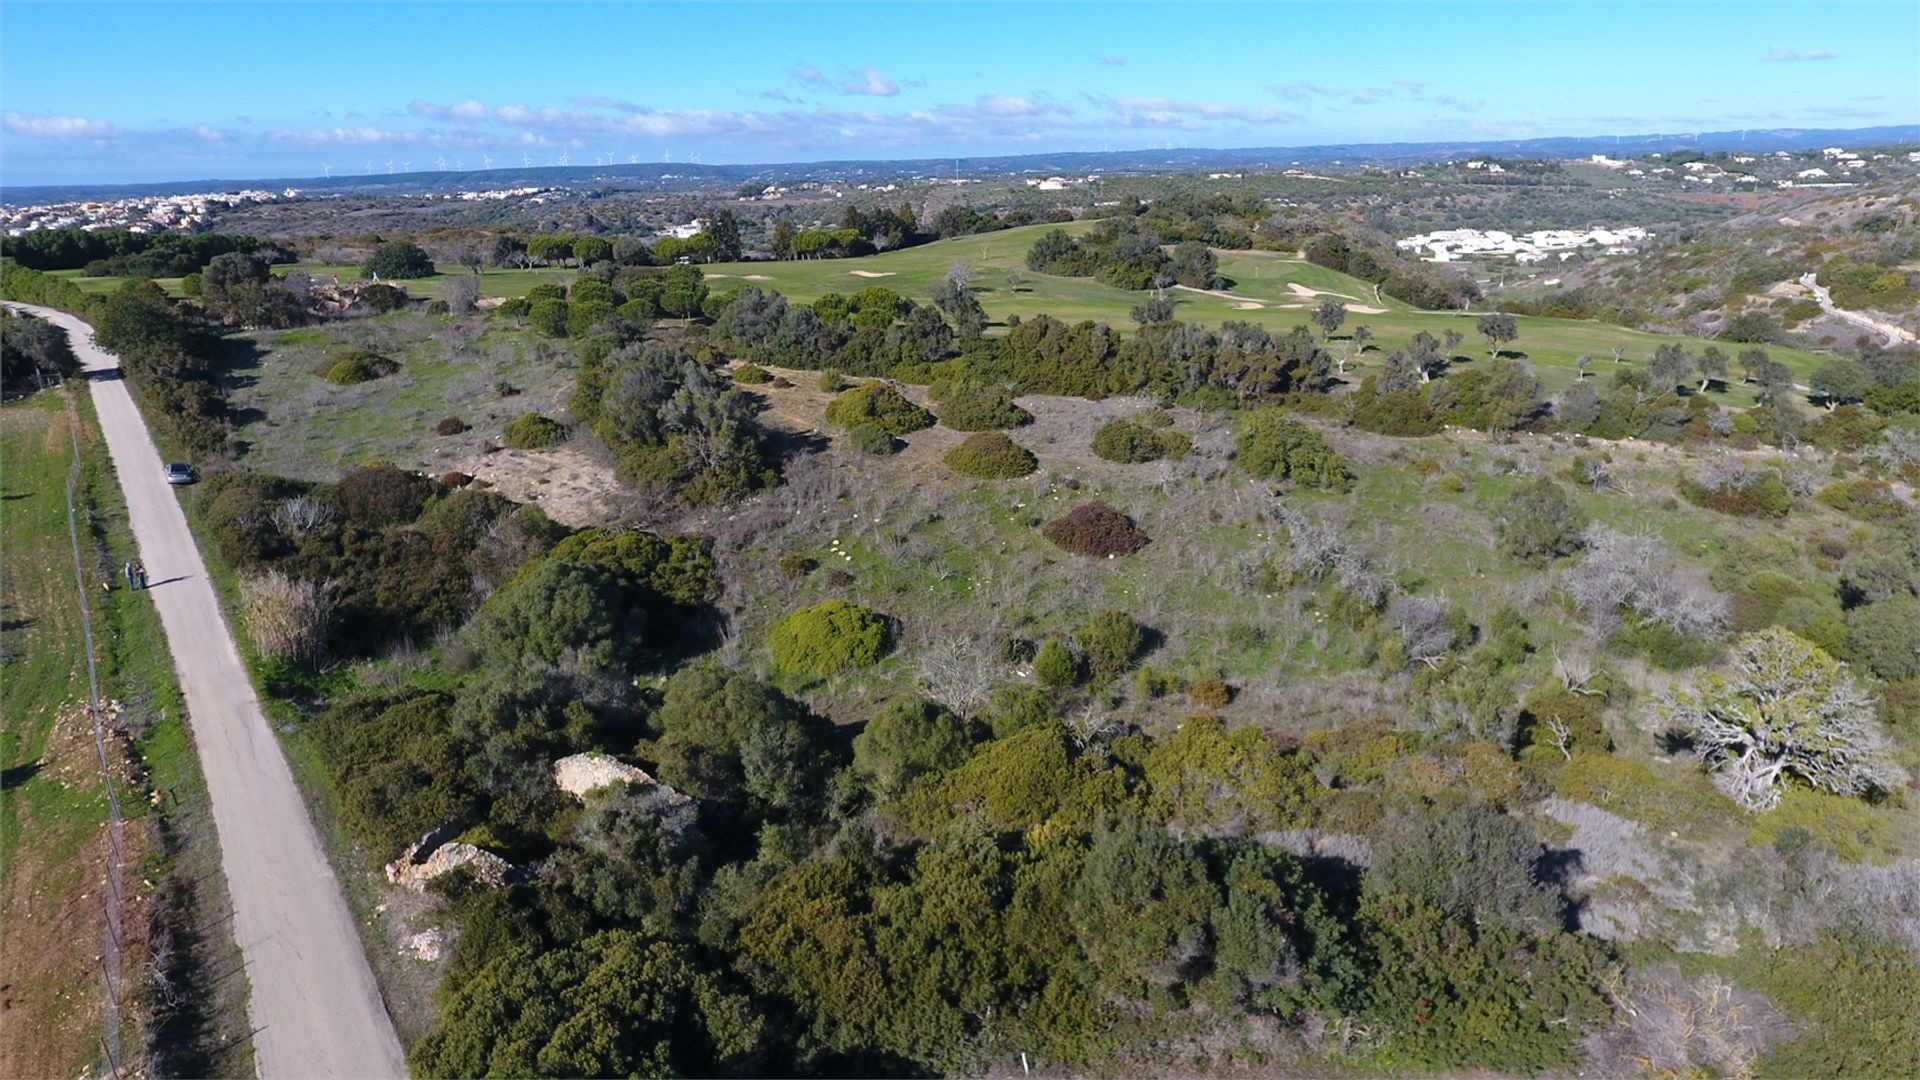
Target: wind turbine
{"points": [[327, 169], [633, 159], [369, 168], [460, 164], [486, 162], [440, 163], [406, 166], [389, 166], [564, 158], [526, 161]]}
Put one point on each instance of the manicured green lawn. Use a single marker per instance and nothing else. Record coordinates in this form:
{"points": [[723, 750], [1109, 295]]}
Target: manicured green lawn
{"points": [[1005, 287]]}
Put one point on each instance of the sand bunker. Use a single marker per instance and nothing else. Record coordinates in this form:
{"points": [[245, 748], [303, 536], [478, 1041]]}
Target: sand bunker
{"points": [[1250, 305], [758, 277], [871, 273]]}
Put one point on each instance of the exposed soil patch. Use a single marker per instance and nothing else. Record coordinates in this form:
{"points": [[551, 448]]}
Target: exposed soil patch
{"points": [[51, 905]]}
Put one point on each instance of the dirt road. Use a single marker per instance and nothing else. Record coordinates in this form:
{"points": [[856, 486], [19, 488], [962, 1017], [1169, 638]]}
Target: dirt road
{"points": [[314, 1006], [1895, 335]]}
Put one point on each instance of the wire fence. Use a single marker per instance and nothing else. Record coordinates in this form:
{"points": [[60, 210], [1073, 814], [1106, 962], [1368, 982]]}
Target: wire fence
{"points": [[111, 950]]}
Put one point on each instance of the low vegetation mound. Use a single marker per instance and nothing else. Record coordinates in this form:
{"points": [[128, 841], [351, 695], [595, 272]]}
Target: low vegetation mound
{"points": [[873, 439], [1095, 529], [751, 375], [878, 404], [348, 365], [990, 455], [1273, 447], [1130, 442], [827, 638], [966, 407], [531, 431]]}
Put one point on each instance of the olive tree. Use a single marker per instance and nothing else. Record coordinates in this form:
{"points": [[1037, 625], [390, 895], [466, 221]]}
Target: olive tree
{"points": [[1784, 708]]}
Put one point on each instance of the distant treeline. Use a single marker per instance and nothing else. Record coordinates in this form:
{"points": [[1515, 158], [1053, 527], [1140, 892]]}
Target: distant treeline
{"points": [[122, 253]]}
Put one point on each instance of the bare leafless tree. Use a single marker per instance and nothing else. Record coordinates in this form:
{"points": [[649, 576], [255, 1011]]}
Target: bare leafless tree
{"points": [[957, 673]]}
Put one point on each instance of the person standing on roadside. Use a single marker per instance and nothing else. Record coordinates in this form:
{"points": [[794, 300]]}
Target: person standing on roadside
{"points": [[129, 573], [140, 573]]}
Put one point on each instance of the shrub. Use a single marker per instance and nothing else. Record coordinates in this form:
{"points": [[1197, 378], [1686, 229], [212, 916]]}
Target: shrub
{"points": [[1885, 636], [1273, 447], [346, 365], [827, 638], [873, 439], [794, 566], [751, 375], [990, 455], [1130, 443], [1864, 498], [906, 739], [1732, 488], [455, 479], [531, 431], [1095, 529], [877, 403], [379, 496], [1539, 523], [1111, 641], [1055, 665], [1211, 692], [831, 381], [285, 616], [450, 425], [978, 408], [399, 260]]}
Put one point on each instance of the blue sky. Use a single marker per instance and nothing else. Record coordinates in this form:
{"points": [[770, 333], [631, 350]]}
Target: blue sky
{"points": [[155, 91]]}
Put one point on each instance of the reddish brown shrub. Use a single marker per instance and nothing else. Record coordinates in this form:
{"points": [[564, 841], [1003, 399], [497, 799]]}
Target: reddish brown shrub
{"points": [[1095, 529]]}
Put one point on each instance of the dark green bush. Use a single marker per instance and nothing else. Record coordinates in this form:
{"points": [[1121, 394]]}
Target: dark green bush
{"points": [[967, 407], [1273, 447], [345, 365], [1539, 523], [990, 455], [531, 431], [1111, 642], [751, 375], [906, 739], [399, 260], [379, 496], [877, 403], [827, 638], [1129, 442], [873, 439], [1056, 665]]}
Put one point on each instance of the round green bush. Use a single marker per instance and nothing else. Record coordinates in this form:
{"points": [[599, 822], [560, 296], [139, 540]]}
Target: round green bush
{"points": [[1130, 443], [531, 431], [751, 375], [827, 638], [1055, 665], [877, 403], [977, 408], [873, 439], [1273, 447], [990, 455], [346, 365]]}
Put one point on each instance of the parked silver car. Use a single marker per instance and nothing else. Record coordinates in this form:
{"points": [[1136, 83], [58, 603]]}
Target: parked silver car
{"points": [[178, 473]]}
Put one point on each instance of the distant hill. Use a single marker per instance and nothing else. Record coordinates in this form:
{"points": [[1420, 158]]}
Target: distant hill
{"points": [[672, 175]]}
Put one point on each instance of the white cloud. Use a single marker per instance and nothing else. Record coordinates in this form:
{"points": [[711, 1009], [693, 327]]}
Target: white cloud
{"points": [[811, 76], [1787, 56], [871, 83], [468, 110], [58, 127], [1190, 115], [209, 133]]}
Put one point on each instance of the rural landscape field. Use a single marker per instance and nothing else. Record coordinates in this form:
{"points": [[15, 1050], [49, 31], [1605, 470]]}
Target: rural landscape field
{"points": [[980, 562]]}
